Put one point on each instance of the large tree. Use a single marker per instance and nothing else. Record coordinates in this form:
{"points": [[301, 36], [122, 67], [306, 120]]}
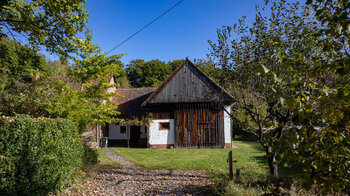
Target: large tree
{"points": [[148, 73], [60, 27], [254, 47], [80, 97], [324, 137], [54, 24], [58, 67], [291, 79], [211, 69], [17, 62], [152, 73]]}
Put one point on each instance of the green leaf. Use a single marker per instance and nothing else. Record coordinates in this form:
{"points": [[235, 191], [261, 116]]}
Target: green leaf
{"points": [[266, 70]]}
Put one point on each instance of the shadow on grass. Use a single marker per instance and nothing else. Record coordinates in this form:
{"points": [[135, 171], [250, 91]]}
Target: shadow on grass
{"points": [[261, 159]]}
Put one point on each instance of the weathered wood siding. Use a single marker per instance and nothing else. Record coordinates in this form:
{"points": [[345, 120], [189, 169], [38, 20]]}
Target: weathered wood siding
{"points": [[198, 125], [188, 85], [162, 115], [164, 111]]}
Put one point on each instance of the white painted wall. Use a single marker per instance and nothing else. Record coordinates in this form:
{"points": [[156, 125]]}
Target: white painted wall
{"points": [[157, 136], [114, 132], [227, 124]]}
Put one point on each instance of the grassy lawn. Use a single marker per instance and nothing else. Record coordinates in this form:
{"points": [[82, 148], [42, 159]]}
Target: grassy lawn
{"points": [[104, 162], [249, 155]]}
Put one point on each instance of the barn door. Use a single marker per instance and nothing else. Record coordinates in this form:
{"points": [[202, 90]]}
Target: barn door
{"points": [[198, 125]]}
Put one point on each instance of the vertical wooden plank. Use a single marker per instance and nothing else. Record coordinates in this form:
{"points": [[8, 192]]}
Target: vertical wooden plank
{"points": [[222, 129], [203, 126], [180, 128], [195, 121], [194, 124], [175, 129], [190, 124], [187, 122], [206, 125], [209, 128], [202, 119], [185, 125], [180, 124]]}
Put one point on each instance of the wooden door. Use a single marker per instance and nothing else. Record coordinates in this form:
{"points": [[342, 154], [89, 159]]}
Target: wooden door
{"points": [[198, 125], [135, 133]]}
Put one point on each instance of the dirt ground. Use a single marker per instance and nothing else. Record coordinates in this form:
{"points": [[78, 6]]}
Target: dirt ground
{"points": [[131, 180]]}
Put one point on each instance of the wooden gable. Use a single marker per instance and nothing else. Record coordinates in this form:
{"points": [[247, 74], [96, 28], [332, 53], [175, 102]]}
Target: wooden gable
{"points": [[188, 84]]}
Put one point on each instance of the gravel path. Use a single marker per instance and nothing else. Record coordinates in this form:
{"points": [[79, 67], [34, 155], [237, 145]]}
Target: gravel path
{"points": [[131, 180]]}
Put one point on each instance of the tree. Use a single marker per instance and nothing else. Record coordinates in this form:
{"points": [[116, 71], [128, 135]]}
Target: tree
{"points": [[175, 63], [92, 104], [211, 70], [26, 98], [18, 62], [60, 26], [323, 137], [292, 81], [59, 67], [147, 74], [152, 73], [123, 81], [54, 24], [254, 47], [80, 97], [334, 13]]}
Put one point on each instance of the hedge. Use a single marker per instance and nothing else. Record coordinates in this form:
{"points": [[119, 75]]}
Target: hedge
{"points": [[37, 156]]}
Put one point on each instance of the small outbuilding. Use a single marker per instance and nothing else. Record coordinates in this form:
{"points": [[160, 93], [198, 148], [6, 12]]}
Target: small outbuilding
{"points": [[188, 110]]}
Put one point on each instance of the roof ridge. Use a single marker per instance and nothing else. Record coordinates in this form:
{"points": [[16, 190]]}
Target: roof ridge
{"points": [[176, 71], [137, 88], [164, 83], [211, 80]]}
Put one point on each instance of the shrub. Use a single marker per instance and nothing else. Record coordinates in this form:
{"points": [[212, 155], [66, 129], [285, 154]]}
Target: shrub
{"points": [[37, 156], [90, 156]]}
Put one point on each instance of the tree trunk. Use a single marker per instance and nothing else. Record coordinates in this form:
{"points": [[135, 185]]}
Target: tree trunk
{"points": [[272, 162]]}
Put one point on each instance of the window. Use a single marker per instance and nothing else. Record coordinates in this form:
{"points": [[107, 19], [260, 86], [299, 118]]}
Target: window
{"points": [[123, 129], [164, 126]]}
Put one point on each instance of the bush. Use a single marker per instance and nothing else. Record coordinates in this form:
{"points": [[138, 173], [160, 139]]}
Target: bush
{"points": [[37, 156], [90, 156]]}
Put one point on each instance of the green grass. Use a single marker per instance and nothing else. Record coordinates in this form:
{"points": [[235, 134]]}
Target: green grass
{"points": [[104, 162], [250, 157]]}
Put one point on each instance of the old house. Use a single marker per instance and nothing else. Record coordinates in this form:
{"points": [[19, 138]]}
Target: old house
{"points": [[188, 110]]}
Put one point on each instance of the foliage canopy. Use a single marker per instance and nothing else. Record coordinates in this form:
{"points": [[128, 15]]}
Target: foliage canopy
{"points": [[50, 23], [290, 76]]}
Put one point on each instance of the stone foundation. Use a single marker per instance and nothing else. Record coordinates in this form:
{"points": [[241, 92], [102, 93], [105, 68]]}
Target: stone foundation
{"points": [[160, 146], [228, 145]]}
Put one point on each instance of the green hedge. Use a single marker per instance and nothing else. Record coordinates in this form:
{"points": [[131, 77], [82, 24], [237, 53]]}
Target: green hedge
{"points": [[37, 156]]}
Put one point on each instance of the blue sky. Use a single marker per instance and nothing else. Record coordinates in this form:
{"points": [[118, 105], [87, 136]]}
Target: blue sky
{"points": [[183, 32]]}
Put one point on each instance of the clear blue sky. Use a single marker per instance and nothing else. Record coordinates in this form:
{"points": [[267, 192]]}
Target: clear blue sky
{"points": [[183, 32]]}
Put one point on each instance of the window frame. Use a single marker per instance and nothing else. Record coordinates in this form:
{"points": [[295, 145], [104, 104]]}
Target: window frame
{"points": [[161, 126], [120, 130]]}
